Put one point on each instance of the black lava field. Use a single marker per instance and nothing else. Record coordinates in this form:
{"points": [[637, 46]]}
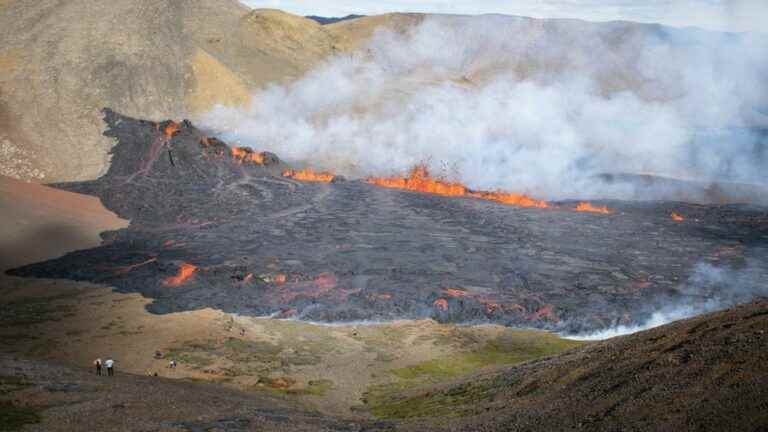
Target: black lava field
{"points": [[209, 229]]}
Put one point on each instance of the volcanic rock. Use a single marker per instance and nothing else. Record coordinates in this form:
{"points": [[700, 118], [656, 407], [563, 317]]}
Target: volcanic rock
{"points": [[209, 229]]}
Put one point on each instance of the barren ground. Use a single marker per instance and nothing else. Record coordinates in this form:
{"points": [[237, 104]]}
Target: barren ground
{"points": [[331, 368]]}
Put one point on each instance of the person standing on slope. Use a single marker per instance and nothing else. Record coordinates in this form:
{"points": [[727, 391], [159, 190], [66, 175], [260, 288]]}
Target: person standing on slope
{"points": [[110, 364], [97, 363]]}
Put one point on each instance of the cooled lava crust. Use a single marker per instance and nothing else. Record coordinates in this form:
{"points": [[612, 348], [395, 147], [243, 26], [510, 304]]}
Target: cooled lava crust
{"points": [[213, 229]]}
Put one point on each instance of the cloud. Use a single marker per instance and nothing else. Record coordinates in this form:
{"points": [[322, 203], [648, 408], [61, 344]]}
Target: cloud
{"points": [[727, 15], [511, 103]]}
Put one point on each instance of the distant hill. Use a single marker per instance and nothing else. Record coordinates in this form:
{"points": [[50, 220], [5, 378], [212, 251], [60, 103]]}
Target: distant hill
{"points": [[62, 62], [332, 20]]}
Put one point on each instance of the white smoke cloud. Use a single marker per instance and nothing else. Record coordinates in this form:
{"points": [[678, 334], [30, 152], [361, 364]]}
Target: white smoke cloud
{"points": [[708, 289], [522, 105]]}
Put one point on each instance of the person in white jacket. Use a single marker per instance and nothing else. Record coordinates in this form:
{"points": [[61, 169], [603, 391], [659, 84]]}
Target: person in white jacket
{"points": [[110, 364]]}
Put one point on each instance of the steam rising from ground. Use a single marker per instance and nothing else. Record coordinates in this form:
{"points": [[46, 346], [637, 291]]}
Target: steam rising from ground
{"points": [[525, 105], [708, 289]]}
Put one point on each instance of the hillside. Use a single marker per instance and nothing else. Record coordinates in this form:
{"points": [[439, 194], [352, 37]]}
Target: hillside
{"points": [[60, 63], [705, 373]]}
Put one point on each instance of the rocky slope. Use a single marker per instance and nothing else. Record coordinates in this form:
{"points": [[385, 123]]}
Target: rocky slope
{"points": [[61, 62], [705, 373]]}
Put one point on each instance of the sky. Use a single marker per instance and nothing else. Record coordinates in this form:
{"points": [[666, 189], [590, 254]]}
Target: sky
{"points": [[726, 15]]}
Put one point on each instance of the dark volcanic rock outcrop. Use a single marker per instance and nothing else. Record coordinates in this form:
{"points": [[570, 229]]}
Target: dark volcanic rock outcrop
{"points": [[211, 227]]}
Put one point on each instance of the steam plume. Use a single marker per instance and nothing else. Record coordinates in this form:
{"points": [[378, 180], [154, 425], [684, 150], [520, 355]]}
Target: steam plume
{"points": [[708, 289], [534, 106]]}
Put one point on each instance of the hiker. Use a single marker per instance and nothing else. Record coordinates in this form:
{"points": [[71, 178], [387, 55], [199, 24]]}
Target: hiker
{"points": [[172, 364], [97, 363], [110, 364]]}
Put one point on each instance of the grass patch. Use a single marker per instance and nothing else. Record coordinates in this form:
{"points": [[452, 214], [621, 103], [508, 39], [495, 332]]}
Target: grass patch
{"points": [[247, 350], [287, 386], [317, 387], [510, 348], [14, 418], [513, 347], [190, 358], [456, 402]]}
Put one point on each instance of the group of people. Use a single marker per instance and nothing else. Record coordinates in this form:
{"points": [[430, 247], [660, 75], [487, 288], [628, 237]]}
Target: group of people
{"points": [[108, 363]]}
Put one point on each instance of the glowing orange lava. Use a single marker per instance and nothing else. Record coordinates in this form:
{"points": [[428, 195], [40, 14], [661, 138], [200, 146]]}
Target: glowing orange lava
{"points": [[310, 175], [127, 269], [243, 154], [186, 271], [587, 207], [419, 180], [171, 129], [441, 304], [455, 292], [677, 218], [491, 307]]}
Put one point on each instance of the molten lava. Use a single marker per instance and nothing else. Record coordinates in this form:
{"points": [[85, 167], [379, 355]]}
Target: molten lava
{"points": [[310, 175], [455, 292], [186, 271], [587, 207], [546, 312], [127, 269], [420, 180], [441, 304], [171, 129], [677, 218], [491, 307], [243, 154]]}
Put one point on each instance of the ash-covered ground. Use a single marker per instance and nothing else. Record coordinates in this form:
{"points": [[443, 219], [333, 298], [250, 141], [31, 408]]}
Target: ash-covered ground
{"points": [[215, 228]]}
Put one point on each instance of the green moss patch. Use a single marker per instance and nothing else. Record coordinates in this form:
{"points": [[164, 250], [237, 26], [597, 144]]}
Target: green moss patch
{"points": [[513, 347], [289, 386]]}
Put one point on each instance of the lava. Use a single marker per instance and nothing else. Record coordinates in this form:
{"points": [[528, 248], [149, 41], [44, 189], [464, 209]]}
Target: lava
{"points": [[355, 251], [677, 218], [310, 175], [186, 271], [419, 180], [491, 307], [441, 304], [126, 269], [546, 312], [243, 154], [171, 129], [587, 207], [455, 292], [325, 285]]}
